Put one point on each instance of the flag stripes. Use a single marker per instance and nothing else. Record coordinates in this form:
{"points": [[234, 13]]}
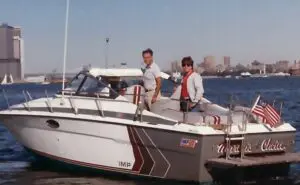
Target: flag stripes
{"points": [[268, 113]]}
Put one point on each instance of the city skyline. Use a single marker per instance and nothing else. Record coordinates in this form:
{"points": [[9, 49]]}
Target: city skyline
{"points": [[244, 30], [11, 52]]}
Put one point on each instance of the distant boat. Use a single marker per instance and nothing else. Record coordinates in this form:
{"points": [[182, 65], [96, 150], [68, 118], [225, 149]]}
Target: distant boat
{"points": [[45, 83], [259, 76], [4, 81], [280, 74], [10, 80], [176, 76], [37, 79], [246, 74]]}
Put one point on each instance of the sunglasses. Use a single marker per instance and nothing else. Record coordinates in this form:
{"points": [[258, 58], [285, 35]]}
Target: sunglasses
{"points": [[183, 65]]}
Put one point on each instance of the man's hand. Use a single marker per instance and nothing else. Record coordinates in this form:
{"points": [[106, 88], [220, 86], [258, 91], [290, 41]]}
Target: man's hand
{"points": [[191, 105], [153, 99], [174, 89]]}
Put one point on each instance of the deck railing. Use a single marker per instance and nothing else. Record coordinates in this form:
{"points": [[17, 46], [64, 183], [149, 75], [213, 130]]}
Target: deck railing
{"points": [[138, 113]]}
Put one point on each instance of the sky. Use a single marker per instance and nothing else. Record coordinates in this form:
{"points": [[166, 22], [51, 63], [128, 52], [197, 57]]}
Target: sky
{"points": [[245, 30]]}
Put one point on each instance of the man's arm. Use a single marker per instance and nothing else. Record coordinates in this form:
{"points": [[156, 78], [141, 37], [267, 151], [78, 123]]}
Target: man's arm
{"points": [[157, 89], [157, 76], [158, 86], [198, 87]]}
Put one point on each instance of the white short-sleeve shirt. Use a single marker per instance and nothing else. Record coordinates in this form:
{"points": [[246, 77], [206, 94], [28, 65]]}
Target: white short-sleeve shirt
{"points": [[150, 74]]}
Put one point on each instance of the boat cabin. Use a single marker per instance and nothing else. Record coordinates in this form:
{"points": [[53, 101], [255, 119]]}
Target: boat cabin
{"points": [[105, 83]]}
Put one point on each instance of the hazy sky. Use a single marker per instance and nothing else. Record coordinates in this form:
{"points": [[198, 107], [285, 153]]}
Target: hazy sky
{"points": [[243, 29]]}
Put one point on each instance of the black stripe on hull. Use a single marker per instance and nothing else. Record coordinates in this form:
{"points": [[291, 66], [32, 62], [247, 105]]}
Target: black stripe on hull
{"points": [[154, 163], [162, 165]]}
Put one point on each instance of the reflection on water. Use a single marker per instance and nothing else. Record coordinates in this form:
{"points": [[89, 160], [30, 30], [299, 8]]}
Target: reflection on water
{"points": [[55, 178], [45, 176]]}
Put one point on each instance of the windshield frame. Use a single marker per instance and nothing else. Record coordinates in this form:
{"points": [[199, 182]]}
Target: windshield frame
{"points": [[112, 93]]}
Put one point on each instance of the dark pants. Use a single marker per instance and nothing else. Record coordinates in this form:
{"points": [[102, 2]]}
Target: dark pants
{"points": [[185, 105]]}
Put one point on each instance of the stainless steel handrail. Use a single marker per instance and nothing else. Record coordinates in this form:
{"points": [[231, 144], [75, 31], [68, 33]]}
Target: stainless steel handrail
{"points": [[95, 93], [99, 106], [48, 103], [6, 99], [26, 101], [28, 94]]}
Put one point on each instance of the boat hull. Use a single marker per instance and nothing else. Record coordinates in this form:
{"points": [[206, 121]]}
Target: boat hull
{"points": [[134, 150]]}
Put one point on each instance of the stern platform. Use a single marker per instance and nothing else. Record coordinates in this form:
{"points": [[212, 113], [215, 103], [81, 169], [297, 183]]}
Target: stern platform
{"points": [[251, 169]]}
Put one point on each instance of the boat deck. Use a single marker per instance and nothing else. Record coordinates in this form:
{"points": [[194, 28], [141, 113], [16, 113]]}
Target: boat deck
{"points": [[248, 161]]}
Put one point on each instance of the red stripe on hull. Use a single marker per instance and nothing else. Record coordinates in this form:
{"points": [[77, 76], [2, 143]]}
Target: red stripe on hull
{"points": [[148, 162], [136, 151]]}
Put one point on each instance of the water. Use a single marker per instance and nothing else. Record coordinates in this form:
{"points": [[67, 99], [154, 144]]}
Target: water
{"points": [[17, 167]]}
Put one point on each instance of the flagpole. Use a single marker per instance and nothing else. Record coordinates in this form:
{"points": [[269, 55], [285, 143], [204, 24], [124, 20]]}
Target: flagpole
{"points": [[65, 45], [255, 102], [273, 103], [280, 111], [281, 105]]}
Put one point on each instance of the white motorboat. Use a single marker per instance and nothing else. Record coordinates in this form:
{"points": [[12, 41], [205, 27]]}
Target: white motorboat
{"points": [[246, 74], [98, 122], [176, 76]]}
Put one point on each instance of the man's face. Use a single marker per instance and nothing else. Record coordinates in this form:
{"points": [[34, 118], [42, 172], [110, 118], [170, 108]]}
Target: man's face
{"points": [[148, 58]]}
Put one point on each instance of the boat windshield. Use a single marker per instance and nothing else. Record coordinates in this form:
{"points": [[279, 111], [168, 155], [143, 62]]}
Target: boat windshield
{"points": [[86, 85], [75, 83]]}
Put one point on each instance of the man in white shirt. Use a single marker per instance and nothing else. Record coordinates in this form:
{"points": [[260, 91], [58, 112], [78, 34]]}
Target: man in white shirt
{"points": [[151, 78]]}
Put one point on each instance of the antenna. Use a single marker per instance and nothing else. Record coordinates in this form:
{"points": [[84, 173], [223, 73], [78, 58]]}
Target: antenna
{"points": [[65, 45], [106, 52]]}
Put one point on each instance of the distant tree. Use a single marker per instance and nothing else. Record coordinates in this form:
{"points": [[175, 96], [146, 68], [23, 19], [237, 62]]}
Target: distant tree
{"points": [[270, 68], [241, 68], [256, 63], [254, 71]]}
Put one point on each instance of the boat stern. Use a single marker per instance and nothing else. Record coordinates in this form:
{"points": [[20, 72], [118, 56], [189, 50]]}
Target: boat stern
{"points": [[249, 156]]}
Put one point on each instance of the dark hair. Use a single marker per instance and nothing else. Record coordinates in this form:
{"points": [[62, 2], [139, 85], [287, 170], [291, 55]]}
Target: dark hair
{"points": [[148, 51], [187, 60]]}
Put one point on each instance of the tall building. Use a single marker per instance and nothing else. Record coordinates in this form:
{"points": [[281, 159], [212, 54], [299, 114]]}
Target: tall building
{"points": [[11, 52], [209, 64], [226, 62], [282, 66]]}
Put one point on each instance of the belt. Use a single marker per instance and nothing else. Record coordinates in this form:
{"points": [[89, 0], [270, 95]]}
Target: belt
{"points": [[148, 90]]}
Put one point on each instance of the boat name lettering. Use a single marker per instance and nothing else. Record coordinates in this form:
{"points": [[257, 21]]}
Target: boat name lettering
{"points": [[124, 164], [222, 148], [269, 145]]}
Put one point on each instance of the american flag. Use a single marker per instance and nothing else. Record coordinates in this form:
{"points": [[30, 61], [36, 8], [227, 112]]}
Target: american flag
{"points": [[268, 113], [189, 143]]}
